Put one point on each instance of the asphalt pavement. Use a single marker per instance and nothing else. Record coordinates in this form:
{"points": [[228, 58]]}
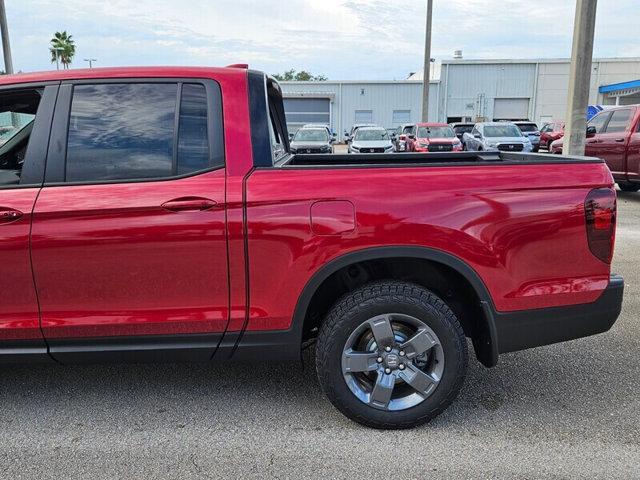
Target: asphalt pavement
{"points": [[570, 410]]}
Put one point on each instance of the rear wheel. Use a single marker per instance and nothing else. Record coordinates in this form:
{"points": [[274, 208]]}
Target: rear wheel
{"points": [[629, 187], [391, 355]]}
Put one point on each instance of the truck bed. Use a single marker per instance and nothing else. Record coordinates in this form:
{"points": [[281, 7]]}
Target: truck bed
{"points": [[428, 159]]}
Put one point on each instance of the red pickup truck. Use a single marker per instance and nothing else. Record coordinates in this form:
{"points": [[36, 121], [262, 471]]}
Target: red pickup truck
{"points": [[614, 136], [157, 214]]}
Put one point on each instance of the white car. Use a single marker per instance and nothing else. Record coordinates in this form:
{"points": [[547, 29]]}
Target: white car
{"points": [[496, 136], [371, 140]]}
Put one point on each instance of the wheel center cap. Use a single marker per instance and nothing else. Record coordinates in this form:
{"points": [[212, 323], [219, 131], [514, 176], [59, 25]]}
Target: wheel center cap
{"points": [[392, 361]]}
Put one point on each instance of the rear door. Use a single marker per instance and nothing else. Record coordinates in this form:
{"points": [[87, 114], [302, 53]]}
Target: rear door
{"points": [[633, 150], [129, 232], [25, 118]]}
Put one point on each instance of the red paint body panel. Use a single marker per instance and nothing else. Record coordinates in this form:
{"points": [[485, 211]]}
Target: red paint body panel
{"points": [[18, 302], [109, 260], [520, 227]]}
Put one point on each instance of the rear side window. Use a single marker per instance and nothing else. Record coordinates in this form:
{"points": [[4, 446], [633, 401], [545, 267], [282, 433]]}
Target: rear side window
{"points": [[129, 131], [619, 120]]}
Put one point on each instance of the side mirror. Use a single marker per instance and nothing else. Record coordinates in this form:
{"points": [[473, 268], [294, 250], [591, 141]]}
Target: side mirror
{"points": [[290, 136], [477, 135], [591, 131], [412, 136]]}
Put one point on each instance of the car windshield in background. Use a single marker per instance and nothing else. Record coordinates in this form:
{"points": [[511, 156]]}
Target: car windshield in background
{"points": [[501, 131], [463, 129], [311, 135], [370, 134], [435, 132], [11, 123], [528, 127]]}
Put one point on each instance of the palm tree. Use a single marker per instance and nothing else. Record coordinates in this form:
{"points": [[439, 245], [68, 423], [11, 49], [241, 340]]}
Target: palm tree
{"points": [[62, 49]]}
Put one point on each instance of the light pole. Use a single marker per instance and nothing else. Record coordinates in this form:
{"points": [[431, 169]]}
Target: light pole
{"points": [[58, 50], [427, 63], [579, 77], [90, 60], [6, 47]]}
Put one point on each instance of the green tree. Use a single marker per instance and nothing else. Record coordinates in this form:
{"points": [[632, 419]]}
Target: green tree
{"points": [[301, 76], [62, 49]]}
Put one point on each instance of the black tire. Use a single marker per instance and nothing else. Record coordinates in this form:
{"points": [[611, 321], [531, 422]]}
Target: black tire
{"points": [[629, 187], [380, 298]]}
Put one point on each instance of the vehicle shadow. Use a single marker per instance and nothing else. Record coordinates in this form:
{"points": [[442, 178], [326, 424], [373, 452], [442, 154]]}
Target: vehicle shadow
{"points": [[564, 385]]}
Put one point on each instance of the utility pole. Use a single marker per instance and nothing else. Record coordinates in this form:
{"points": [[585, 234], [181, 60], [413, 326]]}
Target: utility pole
{"points": [[90, 60], [427, 63], [6, 47], [579, 77]]}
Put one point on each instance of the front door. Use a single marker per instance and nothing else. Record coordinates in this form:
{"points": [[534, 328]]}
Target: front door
{"points": [[25, 117], [613, 141], [129, 231]]}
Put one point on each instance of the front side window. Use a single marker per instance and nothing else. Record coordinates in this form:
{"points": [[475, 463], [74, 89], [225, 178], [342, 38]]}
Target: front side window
{"points": [[599, 121], [127, 131], [17, 115]]}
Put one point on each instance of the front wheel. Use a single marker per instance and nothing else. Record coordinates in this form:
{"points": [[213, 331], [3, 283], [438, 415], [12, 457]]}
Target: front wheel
{"points": [[391, 355]]}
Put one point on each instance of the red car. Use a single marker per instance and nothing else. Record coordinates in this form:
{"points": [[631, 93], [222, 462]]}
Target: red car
{"points": [[433, 137], [551, 132], [157, 214], [614, 136]]}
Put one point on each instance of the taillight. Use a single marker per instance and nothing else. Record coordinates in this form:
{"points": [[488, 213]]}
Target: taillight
{"points": [[600, 213]]}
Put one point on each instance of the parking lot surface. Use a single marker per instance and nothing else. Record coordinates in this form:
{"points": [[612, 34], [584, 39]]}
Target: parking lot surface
{"points": [[570, 410]]}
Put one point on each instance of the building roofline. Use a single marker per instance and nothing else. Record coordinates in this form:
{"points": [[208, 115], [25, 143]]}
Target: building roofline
{"points": [[454, 61], [615, 87], [357, 82]]}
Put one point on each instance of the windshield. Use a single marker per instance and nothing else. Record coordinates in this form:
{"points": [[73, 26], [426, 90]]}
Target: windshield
{"points": [[371, 134], [311, 135], [502, 131], [528, 127], [11, 123], [463, 128], [435, 132]]}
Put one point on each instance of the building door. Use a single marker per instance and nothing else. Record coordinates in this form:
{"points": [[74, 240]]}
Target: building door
{"points": [[300, 111]]}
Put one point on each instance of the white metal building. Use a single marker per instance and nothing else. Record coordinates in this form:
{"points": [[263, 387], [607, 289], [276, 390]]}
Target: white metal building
{"points": [[467, 90]]}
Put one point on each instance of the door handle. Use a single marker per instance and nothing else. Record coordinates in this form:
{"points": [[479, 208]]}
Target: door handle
{"points": [[8, 215], [619, 140], [184, 204]]}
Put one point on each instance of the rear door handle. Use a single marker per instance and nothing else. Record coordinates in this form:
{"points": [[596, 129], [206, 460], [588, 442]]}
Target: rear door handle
{"points": [[184, 204], [619, 140], [8, 215]]}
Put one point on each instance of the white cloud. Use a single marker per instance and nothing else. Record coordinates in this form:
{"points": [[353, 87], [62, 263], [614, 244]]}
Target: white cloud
{"points": [[339, 38]]}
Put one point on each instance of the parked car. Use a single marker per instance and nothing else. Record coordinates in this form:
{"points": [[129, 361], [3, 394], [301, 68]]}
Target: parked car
{"points": [[433, 137], [461, 128], [551, 132], [311, 140], [494, 136], [530, 130], [613, 136], [400, 139], [331, 134], [164, 231], [370, 140], [349, 136]]}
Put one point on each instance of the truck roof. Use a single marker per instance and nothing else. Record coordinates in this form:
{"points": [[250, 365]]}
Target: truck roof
{"points": [[118, 72]]}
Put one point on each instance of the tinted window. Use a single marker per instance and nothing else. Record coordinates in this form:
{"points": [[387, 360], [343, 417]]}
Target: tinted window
{"points": [[17, 115], [121, 131], [619, 120], [598, 121], [193, 141]]}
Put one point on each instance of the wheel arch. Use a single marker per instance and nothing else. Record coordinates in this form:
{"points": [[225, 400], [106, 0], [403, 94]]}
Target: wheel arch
{"points": [[485, 345]]}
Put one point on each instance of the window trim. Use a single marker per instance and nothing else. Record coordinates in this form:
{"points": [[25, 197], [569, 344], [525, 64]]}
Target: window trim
{"points": [[39, 138], [55, 171]]}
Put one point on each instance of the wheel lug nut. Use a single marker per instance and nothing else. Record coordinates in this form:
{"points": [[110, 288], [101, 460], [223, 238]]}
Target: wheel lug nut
{"points": [[401, 366], [379, 359], [387, 371], [387, 349], [401, 353]]}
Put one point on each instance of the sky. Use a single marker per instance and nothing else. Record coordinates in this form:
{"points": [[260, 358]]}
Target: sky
{"points": [[341, 39]]}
